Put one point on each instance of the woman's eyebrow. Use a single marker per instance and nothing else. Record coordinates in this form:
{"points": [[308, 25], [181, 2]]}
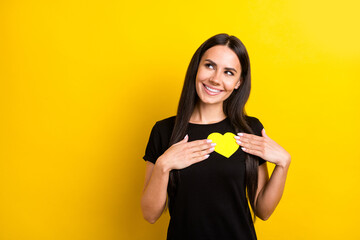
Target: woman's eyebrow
{"points": [[227, 68]]}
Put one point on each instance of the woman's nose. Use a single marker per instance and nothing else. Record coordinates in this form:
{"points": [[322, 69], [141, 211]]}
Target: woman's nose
{"points": [[215, 79]]}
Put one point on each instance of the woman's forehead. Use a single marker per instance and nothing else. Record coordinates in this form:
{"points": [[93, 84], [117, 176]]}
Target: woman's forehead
{"points": [[222, 56]]}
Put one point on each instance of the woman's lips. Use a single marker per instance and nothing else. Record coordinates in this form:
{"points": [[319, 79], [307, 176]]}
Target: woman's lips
{"points": [[212, 93]]}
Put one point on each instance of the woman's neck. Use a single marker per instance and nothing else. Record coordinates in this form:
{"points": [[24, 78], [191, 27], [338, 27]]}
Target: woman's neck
{"points": [[207, 113]]}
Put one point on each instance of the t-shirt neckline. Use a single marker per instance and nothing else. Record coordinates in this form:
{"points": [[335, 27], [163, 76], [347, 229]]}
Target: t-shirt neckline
{"points": [[208, 124]]}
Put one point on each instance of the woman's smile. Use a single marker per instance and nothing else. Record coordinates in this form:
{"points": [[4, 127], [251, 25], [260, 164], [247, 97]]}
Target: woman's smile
{"points": [[211, 91]]}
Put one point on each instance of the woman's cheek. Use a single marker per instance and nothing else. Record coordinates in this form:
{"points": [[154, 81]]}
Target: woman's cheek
{"points": [[202, 76], [205, 73], [229, 85]]}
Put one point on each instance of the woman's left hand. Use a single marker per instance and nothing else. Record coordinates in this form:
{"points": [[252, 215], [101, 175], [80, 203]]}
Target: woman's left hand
{"points": [[264, 147]]}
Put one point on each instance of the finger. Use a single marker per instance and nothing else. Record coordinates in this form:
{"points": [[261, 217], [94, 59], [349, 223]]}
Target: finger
{"points": [[249, 136], [263, 133], [204, 146], [200, 144], [250, 145], [185, 139], [253, 152], [240, 140], [199, 158], [205, 151], [201, 153]]}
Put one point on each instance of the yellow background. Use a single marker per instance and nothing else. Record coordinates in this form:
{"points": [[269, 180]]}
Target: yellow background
{"points": [[83, 82]]}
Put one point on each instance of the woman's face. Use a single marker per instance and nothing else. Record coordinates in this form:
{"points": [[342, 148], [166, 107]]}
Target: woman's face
{"points": [[218, 74]]}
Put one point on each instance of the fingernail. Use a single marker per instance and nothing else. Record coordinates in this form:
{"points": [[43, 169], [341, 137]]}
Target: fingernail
{"points": [[213, 144], [212, 149], [186, 136], [237, 137], [238, 142], [209, 140], [240, 134], [207, 155], [243, 148]]}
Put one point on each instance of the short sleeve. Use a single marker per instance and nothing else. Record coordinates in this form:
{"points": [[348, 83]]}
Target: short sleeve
{"points": [[153, 148], [258, 128]]}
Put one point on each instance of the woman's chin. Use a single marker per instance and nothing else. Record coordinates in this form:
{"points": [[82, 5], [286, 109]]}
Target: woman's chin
{"points": [[210, 101]]}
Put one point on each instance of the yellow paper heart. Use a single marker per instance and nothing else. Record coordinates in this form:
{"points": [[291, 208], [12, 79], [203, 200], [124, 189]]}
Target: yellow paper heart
{"points": [[225, 144]]}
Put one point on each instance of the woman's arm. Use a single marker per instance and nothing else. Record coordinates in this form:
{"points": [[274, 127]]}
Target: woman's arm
{"points": [[180, 155], [153, 198], [270, 191]]}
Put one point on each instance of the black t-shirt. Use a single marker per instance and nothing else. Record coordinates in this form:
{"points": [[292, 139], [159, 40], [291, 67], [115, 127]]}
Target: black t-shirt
{"points": [[210, 201]]}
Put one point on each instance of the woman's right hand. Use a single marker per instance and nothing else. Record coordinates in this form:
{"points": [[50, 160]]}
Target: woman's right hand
{"points": [[183, 154]]}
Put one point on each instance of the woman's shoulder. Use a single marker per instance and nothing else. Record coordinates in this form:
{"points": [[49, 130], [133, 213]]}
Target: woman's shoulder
{"points": [[166, 123], [255, 124], [251, 119]]}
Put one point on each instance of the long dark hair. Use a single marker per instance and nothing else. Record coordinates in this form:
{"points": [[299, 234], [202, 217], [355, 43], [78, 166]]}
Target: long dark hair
{"points": [[233, 108]]}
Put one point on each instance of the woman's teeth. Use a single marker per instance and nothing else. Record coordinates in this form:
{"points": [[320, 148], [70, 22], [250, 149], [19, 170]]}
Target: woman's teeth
{"points": [[212, 90]]}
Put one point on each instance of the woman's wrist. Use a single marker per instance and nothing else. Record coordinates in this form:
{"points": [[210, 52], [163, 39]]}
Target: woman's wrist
{"points": [[162, 165], [285, 164]]}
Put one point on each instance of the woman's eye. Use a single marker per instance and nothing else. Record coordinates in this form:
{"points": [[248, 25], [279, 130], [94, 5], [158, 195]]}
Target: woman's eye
{"points": [[209, 65], [229, 73]]}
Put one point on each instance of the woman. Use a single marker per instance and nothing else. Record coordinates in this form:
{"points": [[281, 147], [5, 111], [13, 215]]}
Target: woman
{"points": [[209, 158]]}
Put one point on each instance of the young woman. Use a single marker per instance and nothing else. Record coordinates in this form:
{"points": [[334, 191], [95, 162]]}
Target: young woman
{"points": [[209, 160]]}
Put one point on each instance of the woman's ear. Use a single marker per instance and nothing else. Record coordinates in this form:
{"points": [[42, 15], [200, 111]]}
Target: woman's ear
{"points": [[238, 84]]}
